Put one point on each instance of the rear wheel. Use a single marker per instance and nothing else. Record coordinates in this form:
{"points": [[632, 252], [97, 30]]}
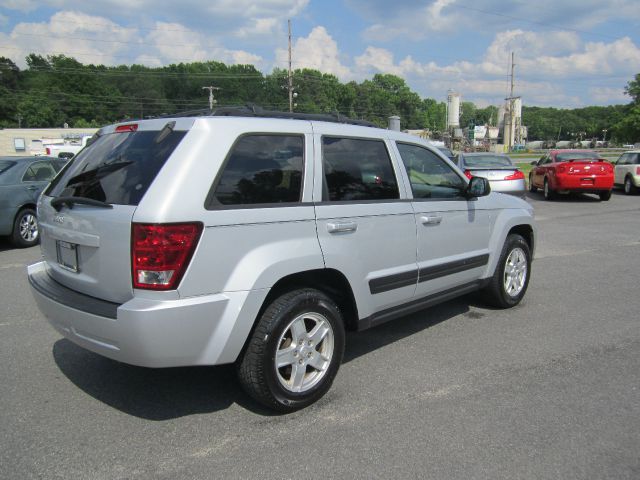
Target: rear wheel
{"points": [[25, 229], [629, 187], [295, 351], [548, 193], [532, 187], [511, 278], [605, 195]]}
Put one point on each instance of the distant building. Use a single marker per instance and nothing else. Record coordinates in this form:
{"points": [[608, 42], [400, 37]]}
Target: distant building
{"points": [[30, 141]]}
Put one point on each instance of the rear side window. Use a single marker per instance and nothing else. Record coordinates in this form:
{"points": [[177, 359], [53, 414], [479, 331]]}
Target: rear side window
{"points": [[261, 169], [116, 168], [39, 172], [357, 169]]}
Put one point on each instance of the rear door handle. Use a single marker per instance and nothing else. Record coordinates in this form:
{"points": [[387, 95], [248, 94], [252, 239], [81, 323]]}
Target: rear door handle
{"points": [[431, 219], [338, 227]]}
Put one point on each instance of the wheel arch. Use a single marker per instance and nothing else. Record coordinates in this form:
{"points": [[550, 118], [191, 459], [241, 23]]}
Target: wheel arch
{"points": [[327, 280]]}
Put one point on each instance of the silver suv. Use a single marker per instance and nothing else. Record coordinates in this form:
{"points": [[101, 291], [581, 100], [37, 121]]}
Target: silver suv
{"points": [[248, 239]]}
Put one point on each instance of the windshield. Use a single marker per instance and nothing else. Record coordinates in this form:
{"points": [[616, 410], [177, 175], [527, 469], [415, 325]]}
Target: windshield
{"points": [[6, 165], [567, 156], [487, 161], [116, 168]]}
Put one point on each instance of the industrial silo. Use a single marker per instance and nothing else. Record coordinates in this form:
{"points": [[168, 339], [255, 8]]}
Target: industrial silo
{"points": [[453, 109]]}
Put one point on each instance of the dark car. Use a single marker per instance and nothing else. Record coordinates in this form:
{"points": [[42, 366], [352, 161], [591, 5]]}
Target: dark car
{"points": [[21, 181]]}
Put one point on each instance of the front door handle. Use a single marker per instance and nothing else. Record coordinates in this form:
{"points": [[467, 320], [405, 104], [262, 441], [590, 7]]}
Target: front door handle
{"points": [[340, 227], [431, 219]]}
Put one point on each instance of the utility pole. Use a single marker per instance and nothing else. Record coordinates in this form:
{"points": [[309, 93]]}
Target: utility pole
{"points": [[511, 100], [19, 118], [212, 101], [290, 79]]}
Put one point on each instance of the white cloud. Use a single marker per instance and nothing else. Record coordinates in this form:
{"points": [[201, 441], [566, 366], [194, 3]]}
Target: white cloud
{"points": [[93, 39], [413, 20], [540, 76], [317, 51]]}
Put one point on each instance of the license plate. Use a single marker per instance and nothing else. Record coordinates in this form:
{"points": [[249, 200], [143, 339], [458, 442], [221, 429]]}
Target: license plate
{"points": [[67, 255]]}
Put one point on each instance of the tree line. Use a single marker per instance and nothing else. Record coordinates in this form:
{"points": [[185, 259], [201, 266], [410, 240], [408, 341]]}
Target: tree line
{"points": [[57, 90]]}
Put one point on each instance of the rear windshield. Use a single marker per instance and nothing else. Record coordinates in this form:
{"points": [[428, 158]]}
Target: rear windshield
{"points": [[565, 157], [446, 151], [116, 168], [487, 161], [6, 165]]}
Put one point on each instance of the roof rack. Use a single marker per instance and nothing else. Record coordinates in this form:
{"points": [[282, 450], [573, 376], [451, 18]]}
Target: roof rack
{"points": [[251, 110]]}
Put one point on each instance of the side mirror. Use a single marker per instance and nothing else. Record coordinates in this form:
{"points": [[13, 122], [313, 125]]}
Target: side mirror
{"points": [[478, 187], [534, 163]]}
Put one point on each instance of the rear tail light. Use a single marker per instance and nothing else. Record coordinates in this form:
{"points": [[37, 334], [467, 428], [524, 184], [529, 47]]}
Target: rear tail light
{"points": [[517, 175], [468, 174], [131, 127], [160, 253], [637, 170]]}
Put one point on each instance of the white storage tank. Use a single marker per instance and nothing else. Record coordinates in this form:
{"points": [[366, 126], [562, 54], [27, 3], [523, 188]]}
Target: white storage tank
{"points": [[453, 109]]}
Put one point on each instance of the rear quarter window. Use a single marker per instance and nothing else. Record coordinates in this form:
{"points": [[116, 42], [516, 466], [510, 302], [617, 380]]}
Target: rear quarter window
{"points": [[116, 168], [260, 169]]}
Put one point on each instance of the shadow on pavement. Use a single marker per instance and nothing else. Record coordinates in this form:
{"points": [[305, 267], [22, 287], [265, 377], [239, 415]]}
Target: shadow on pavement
{"points": [[167, 393]]}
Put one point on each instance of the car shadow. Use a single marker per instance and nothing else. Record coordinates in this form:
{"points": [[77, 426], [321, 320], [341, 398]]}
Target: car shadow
{"points": [[168, 393], [565, 198]]}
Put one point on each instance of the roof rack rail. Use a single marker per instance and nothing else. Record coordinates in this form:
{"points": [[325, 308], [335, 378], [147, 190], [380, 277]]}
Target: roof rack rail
{"points": [[251, 110]]}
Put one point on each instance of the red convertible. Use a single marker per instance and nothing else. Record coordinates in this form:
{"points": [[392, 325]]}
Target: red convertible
{"points": [[565, 171]]}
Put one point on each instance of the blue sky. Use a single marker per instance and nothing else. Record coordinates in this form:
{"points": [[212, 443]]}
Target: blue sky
{"points": [[569, 53]]}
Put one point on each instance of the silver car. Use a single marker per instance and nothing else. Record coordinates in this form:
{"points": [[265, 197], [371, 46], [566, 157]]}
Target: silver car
{"points": [[498, 168], [248, 239]]}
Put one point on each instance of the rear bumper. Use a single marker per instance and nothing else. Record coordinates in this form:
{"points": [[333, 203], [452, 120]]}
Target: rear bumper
{"points": [[204, 330], [584, 183]]}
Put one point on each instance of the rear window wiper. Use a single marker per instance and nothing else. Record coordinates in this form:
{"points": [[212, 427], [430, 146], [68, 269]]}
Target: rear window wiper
{"points": [[58, 202]]}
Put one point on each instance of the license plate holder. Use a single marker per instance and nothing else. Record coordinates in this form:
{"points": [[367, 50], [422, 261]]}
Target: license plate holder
{"points": [[67, 255]]}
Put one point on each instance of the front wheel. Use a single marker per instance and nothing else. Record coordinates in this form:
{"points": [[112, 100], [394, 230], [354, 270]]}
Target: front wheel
{"points": [[295, 351], [511, 278], [25, 229], [604, 196]]}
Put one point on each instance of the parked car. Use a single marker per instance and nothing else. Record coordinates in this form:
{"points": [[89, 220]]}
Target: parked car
{"points": [[258, 240], [627, 172], [447, 153], [21, 181], [566, 171], [498, 168]]}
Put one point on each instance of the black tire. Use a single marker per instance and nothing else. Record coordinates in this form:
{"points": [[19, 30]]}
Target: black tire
{"points": [[532, 187], [629, 187], [257, 370], [605, 195], [25, 229], [548, 193], [495, 293]]}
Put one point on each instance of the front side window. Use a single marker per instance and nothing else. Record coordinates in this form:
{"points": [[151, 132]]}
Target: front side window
{"points": [[261, 169], [357, 169], [429, 175]]}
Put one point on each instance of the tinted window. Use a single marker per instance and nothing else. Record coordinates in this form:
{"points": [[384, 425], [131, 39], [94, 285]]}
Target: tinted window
{"points": [[39, 172], [430, 176], [357, 169], [261, 169], [5, 165], [487, 161], [565, 157], [118, 167], [624, 159]]}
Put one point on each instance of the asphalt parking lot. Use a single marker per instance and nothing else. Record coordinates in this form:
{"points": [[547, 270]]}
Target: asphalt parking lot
{"points": [[550, 389]]}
